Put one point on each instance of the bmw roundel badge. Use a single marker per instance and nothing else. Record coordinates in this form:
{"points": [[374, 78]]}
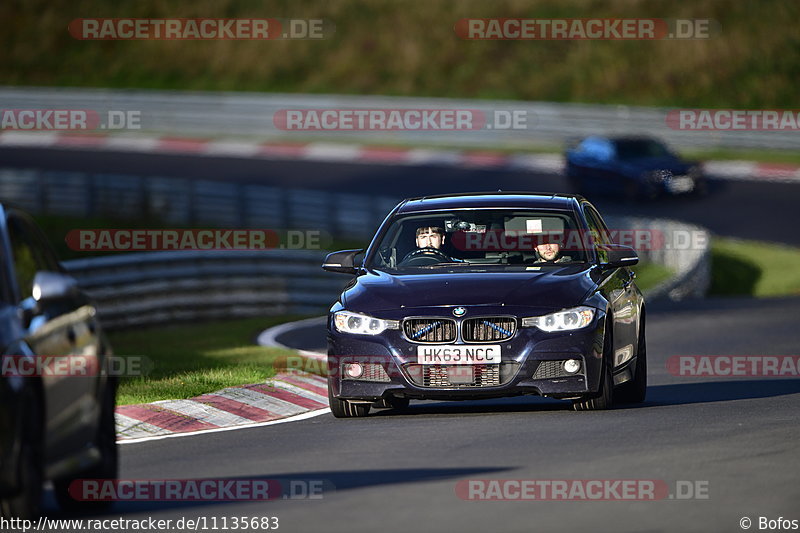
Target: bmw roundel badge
{"points": [[460, 311]]}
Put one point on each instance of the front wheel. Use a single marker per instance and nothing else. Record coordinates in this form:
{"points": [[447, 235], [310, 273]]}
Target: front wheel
{"points": [[108, 466], [26, 503], [635, 390], [600, 401], [604, 397], [346, 408]]}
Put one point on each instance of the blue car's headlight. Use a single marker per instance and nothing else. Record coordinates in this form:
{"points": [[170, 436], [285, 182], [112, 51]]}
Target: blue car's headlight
{"points": [[349, 322], [567, 320]]}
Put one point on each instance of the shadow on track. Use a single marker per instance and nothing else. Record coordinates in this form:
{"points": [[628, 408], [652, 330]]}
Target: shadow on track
{"points": [[657, 396], [719, 391], [294, 486]]}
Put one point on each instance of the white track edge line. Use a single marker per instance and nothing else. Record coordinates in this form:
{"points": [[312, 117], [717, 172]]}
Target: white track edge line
{"points": [[294, 418]]}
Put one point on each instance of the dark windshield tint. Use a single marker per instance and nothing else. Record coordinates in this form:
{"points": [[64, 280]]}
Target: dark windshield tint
{"points": [[489, 237], [636, 149]]}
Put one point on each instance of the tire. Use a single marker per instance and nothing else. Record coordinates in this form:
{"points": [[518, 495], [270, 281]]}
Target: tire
{"points": [[344, 408], [602, 400], [107, 467], [701, 189], [635, 391], [604, 397], [392, 402], [27, 504]]}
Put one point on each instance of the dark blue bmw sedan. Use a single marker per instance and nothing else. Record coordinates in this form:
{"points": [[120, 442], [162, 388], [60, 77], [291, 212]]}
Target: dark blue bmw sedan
{"points": [[486, 295]]}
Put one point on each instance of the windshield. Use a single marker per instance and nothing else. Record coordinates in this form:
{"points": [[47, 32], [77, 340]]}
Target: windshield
{"points": [[479, 238], [637, 149]]}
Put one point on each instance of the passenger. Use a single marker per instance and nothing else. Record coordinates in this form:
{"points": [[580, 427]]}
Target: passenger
{"points": [[550, 252]]}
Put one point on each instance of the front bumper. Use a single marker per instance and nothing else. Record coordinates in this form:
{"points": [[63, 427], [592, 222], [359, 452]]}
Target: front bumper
{"points": [[530, 364]]}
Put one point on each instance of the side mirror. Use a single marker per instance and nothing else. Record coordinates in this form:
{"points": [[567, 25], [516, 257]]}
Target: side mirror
{"points": [[49, 286], [343, 262], [617, 256]]}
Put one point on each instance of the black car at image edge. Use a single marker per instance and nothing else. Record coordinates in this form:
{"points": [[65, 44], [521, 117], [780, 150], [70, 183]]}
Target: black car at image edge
{"points": [[469, 319], [55, 424]]}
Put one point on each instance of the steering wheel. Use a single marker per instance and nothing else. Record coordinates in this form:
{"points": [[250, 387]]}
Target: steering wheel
{"points": [[424, 256]]}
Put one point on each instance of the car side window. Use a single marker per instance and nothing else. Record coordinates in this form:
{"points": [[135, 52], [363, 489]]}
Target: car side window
{"points": [[29, 255], [598, 231], [599, 149]]}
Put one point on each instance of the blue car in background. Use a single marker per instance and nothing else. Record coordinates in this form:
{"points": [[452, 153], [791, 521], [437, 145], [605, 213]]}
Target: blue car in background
{"points": [[636, 167]]}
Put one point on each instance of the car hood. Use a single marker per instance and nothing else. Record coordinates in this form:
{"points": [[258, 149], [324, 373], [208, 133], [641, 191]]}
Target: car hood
{"points": [[555, 288]]}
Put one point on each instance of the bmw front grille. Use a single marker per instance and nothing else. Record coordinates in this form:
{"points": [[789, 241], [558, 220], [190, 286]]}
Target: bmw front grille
{"points": [[430, 329], [488, 329]]}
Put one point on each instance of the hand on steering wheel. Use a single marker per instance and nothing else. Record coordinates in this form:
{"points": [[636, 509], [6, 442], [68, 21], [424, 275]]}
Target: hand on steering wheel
{"points": [[424, 256]]}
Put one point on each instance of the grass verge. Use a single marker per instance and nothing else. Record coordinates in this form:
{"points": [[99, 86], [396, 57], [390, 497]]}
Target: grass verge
{"points": [[193, 359], [752, 268]]}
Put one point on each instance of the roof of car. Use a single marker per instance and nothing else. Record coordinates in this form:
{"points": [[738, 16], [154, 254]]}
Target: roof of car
{"points": [[622, 138], [496, 199]]}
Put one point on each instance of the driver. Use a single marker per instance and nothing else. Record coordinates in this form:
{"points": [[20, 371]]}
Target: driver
{"points": [[430, 237], [429, 240]]}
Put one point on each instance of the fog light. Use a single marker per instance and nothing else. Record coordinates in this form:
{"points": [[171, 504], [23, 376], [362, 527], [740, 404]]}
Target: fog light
{"points": [[571, 366], [354, 370]]}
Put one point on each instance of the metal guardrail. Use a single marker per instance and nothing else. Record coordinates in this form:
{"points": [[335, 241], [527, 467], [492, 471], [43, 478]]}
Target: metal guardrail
{"points": [[251, 115], [689, 262], [164, 287], [187, 202]]}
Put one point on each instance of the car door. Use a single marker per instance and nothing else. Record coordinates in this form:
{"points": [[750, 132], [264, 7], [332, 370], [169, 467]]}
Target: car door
{"points": [[63, 330], [618, 290]]}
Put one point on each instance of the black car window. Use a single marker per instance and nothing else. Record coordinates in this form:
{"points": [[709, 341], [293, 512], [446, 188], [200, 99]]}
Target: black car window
{"points": [[29, 254], [598, 230], [639, 148]]}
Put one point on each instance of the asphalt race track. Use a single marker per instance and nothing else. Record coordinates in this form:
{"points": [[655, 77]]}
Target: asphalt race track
{"points": [[398, 471]]}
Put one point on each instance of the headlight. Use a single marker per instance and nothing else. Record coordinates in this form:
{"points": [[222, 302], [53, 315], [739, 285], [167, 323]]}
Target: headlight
{"points": [[348, 322], [567, 320]]}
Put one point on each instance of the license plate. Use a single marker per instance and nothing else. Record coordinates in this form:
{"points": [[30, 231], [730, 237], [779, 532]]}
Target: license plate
{"points": [[457, 354], [681, 184]]}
